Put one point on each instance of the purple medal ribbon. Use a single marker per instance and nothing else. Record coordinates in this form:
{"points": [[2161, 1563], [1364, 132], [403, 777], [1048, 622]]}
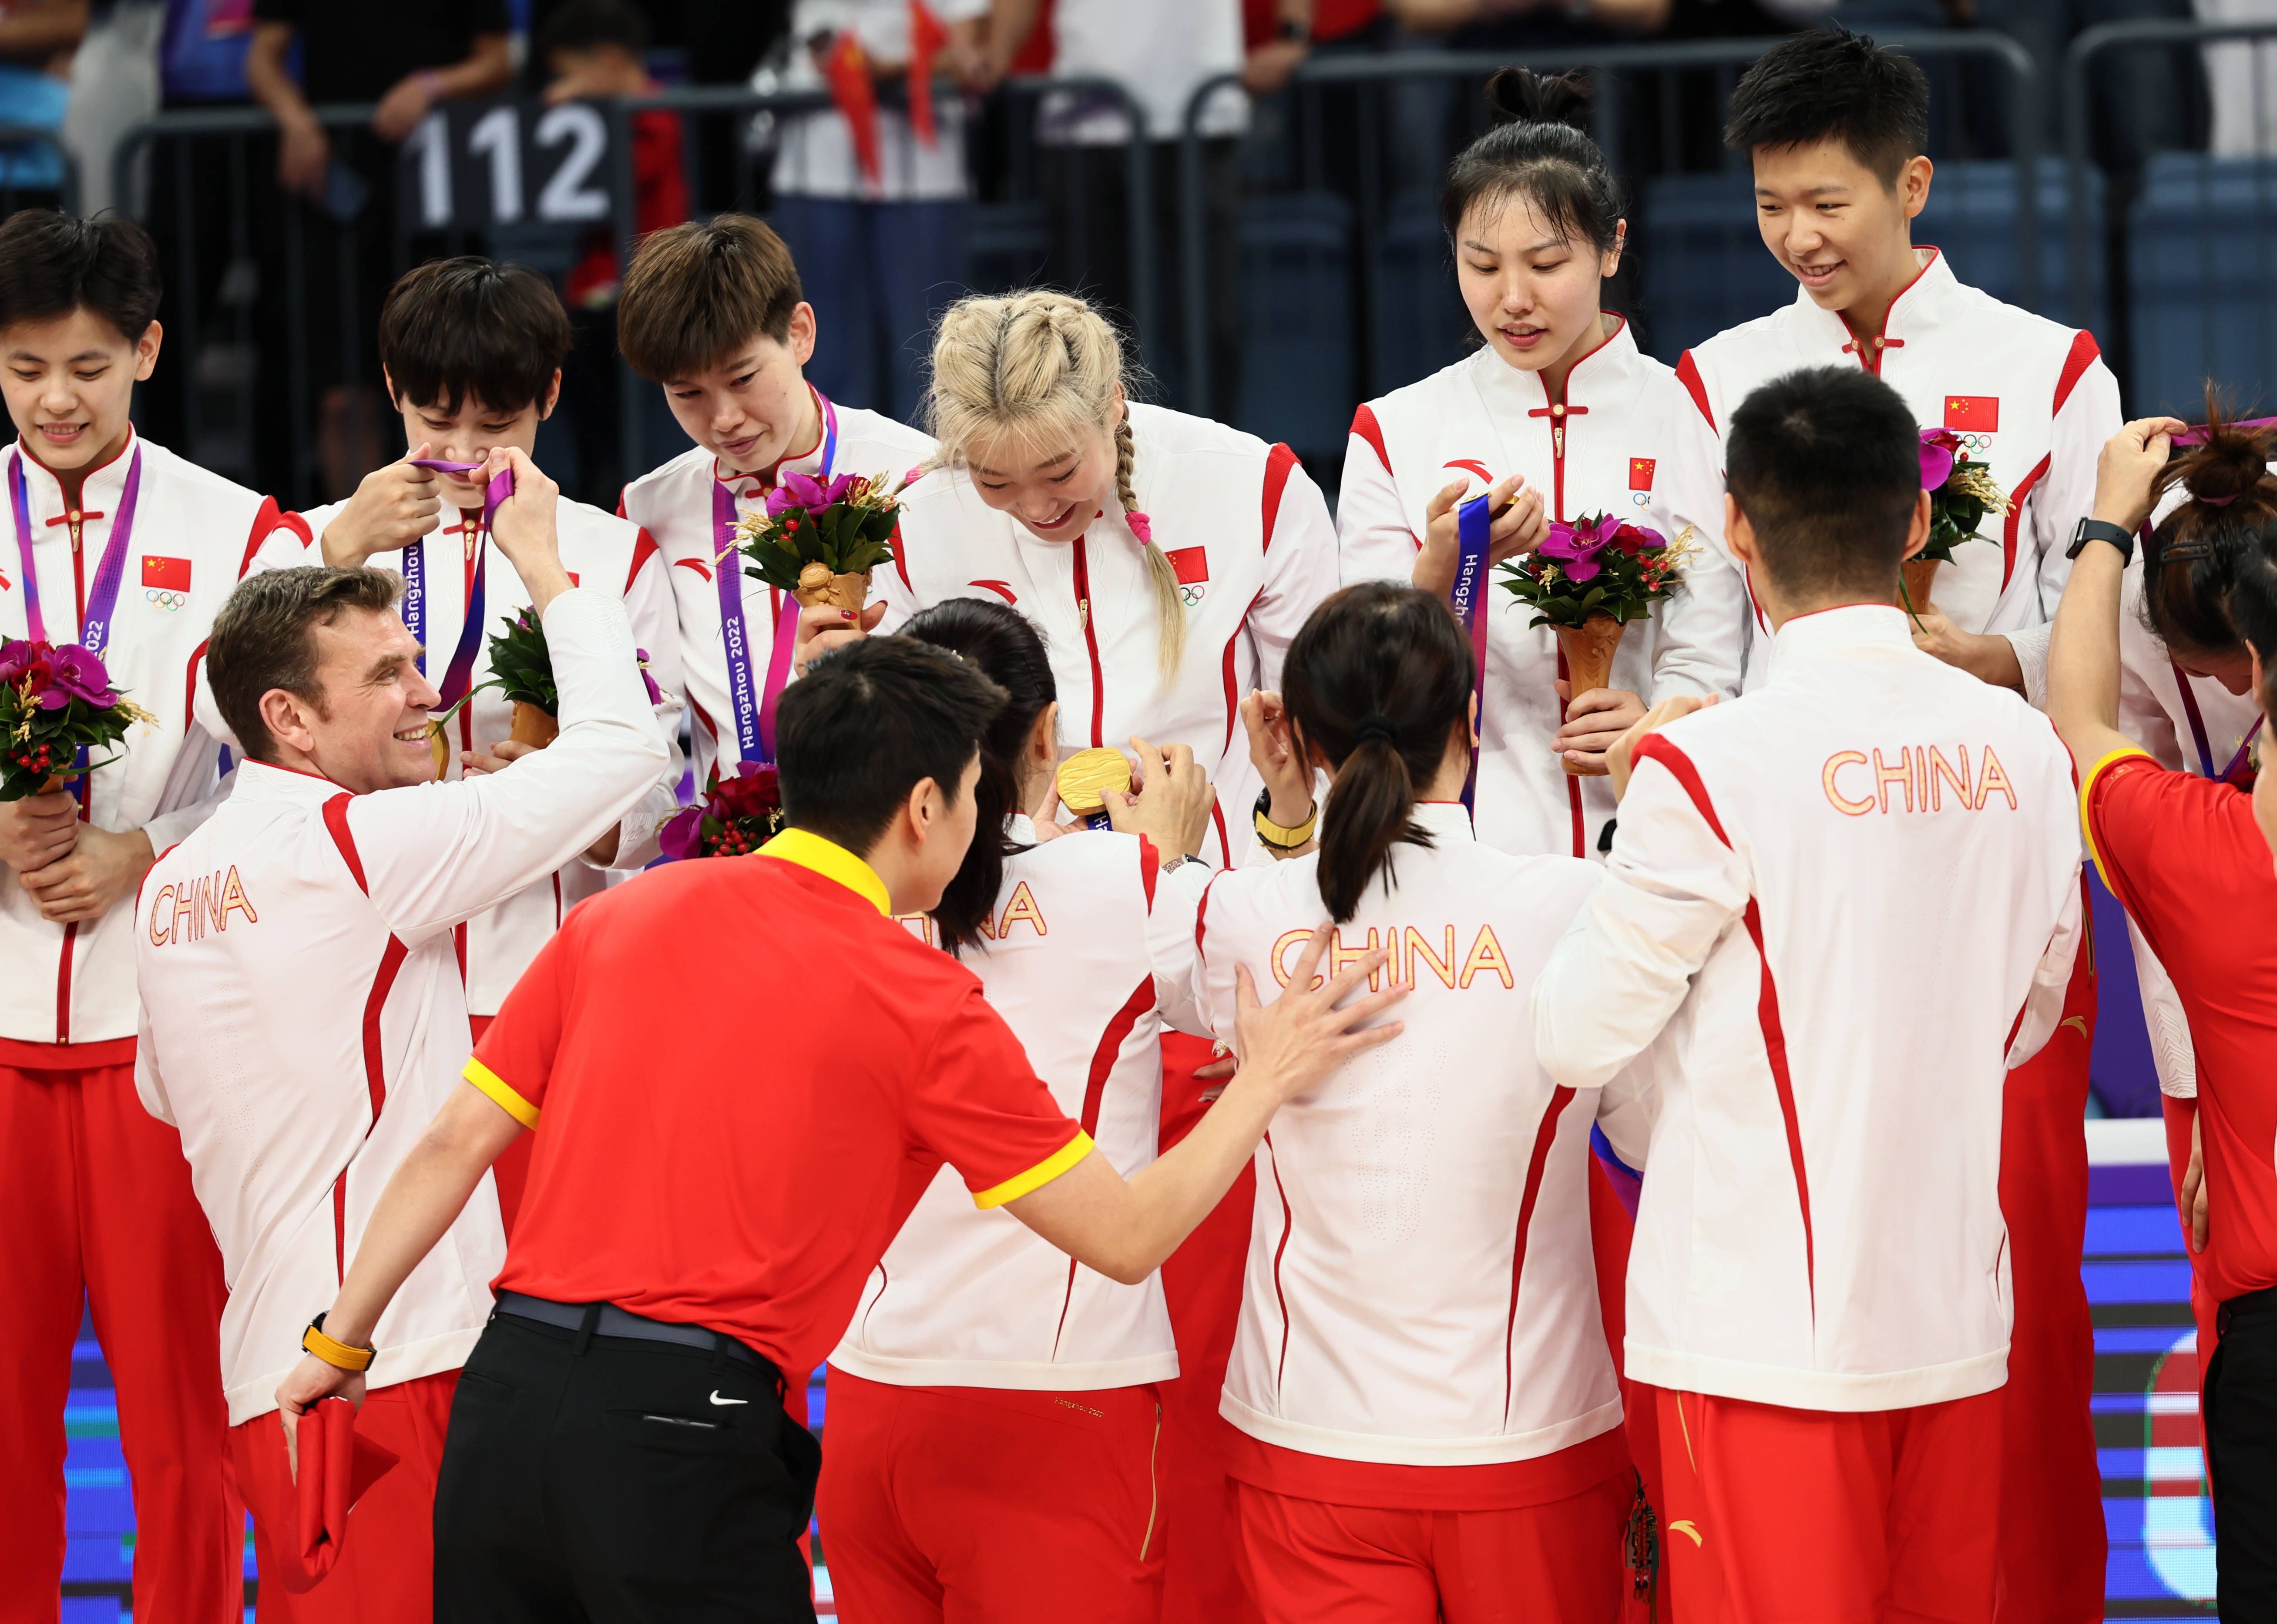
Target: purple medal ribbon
{"points": [[458, 676], [752, 701], [109, 574], [1474, 523], [2238, 773]]}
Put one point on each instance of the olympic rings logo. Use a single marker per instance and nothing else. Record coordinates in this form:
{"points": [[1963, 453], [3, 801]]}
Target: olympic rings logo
{"points": [[166, 600], [1639, 499], [1191, 593], [1975, 442]]}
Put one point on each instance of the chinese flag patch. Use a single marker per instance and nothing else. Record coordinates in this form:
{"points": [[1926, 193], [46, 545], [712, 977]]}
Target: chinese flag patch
{"points": [[168, 574], [1192, 565], [1641, 473], [1979, 414]]}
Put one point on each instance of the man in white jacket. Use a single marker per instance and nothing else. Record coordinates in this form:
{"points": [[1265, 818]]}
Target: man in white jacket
{"points": [[304, 1012], [1842, 907]]}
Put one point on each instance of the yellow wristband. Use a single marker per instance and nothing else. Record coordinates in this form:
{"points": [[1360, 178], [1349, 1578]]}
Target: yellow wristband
{"points": [[1287, 839], [340, 1355]]}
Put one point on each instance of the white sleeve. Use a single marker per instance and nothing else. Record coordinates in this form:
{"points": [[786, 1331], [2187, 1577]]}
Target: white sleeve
{"points": [[285, 546], [169, 828], [655, 621], [2088, 416], [1301, 570], [435, 854], [147, 1088], [2171, 1053], [1709, 624], [887, 587], [1670, 890], [2043, 1003], [1374, 542], [1628, 1104], [1170, 945]]}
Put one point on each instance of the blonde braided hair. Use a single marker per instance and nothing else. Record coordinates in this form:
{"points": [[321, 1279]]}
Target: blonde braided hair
{"points": [[1040, 368]]}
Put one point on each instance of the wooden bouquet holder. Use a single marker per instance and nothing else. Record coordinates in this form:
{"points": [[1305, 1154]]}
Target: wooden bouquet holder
{"points": [[1589, 649], [1920, 574], [817, 585]]}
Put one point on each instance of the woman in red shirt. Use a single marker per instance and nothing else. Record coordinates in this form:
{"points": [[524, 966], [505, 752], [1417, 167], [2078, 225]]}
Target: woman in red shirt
{"points": [[2189, 858]]}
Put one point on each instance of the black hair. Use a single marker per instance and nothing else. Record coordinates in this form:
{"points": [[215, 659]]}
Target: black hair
{"points": [[2189, 562], [2253, 602], [1538, 150], [1377, 680], [469, 326], [587, 25], [1829, 84], [52, 264], [866, 724], [1003, 645], [1825, 463]]}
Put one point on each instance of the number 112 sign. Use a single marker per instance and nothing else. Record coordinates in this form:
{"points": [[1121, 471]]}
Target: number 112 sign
{"points": [[473, 165]]}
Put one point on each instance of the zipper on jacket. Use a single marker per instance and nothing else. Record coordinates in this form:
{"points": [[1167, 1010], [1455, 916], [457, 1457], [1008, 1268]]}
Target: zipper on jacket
{"points": [[1558, 412], [1090, 639]]}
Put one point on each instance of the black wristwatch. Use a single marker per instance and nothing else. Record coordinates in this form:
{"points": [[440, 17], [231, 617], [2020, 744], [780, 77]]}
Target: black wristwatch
{"points": [[2101, 530]]}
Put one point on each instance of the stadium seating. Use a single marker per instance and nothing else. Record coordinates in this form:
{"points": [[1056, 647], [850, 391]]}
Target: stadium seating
{"points": [[2201, 253]]}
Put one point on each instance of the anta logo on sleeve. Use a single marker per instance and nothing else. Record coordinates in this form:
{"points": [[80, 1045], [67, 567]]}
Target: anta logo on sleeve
{"points": [[1919, 777], [186, 911], [1409, 953]]}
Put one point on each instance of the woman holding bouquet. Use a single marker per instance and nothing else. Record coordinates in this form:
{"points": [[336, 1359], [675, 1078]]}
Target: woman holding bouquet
{"points": [[1428, 1419], [994, 1414], [1167, 561], [1559, 417]]}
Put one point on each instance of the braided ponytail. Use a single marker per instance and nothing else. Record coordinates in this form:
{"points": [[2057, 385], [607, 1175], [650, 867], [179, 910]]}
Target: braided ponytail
{"points": [[1040, 365]]}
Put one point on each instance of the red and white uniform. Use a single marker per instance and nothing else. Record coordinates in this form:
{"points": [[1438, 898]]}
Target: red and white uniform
{"points": [[1090, 953], [95, 1197], [1600, 450], [600, 550], [1419, 1331], [303, 1020], [1247, 530], [676, 504], [2027, 396], [1808, 1110]]}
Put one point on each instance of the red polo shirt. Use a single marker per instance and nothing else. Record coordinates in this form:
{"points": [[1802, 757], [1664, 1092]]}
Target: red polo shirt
{"points": [[2184, 857], [744, 1074]]}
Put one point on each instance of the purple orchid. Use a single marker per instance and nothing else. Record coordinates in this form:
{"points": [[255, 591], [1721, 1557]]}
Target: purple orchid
{"points": [[682, 837], [79, 675], [804, 491], [1577, 546], [17, 659], [655, 694], [1937, 449]]}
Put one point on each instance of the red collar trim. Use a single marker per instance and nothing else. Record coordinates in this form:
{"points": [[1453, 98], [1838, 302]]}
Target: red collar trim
{"points": [[24, 448], [1889, 316], [297, 771]]}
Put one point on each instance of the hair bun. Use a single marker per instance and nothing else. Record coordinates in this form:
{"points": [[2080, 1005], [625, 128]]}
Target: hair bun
{"points": [[2231, 463], [1519, 96]]}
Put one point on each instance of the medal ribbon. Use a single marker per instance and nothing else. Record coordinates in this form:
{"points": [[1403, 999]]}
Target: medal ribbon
{"points": [[751, 700], [109, 574], [458, 676], [1474, 522], [2235, 772]]}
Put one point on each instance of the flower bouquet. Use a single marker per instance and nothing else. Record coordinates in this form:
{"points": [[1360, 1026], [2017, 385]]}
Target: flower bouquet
{"points": [[820, 541], [1586, 581], [738, 816], [1960, 493], [521, 669], [55, 702]]}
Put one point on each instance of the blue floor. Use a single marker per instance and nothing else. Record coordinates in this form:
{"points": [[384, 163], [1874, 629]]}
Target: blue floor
{"points": [[2146, 1430]]}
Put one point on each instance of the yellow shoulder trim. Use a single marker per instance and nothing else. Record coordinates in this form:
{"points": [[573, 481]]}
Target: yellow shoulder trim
{"points": [[501, 1093], [2087, 789], [832, 861], [1037, 1177]]}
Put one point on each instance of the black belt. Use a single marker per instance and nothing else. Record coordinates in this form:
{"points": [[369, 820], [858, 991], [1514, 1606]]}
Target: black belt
{"points": [[2252, 1306], [615, 1322]]}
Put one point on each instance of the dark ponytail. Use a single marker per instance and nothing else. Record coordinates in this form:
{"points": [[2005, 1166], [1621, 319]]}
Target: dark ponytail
{"points": [[2191, 560], [1537, 150], [1004, 646], [2252, 604], [1376, 681]]}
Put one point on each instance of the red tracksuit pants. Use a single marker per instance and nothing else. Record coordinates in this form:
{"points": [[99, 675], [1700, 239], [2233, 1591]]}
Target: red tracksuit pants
{"points": [[386, 1570], [1780, 1516], [1201, 1283], [2052, 1539], [988, 1505], [95, 1206]]}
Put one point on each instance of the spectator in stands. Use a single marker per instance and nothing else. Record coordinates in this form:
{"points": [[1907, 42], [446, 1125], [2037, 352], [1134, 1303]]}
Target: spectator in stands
{"points": [[1503, 25], [595, 48], [872, 207], [406, 56], [1164, 51], [114, 87], [37, 38]]}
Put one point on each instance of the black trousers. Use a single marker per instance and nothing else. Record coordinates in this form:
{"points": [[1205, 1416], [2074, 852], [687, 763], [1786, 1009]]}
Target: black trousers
{"points": [[595, 1478], [2239, 1408]]}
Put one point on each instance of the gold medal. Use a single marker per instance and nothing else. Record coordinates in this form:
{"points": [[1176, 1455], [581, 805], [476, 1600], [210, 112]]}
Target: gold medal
{"points": [[1086, 776]]}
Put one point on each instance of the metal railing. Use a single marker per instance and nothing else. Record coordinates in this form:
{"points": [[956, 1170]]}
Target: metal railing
{"points": [[1637, 86]]}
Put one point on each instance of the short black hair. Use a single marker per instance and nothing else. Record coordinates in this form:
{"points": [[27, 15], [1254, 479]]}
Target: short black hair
{"points": [[453, 328], [857, 733], [1829, 84], [587, 25], [52, 264], [1825, 463]]}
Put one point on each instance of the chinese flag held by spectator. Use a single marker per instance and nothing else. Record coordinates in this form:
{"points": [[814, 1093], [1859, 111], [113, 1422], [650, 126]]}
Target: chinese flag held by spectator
{"points": [[1975, 414], [847, 70], [927, 34]]}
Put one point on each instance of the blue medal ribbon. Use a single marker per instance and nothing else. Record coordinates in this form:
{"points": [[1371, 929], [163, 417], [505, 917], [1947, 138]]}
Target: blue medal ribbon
{"points": [[1474, 524]]}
